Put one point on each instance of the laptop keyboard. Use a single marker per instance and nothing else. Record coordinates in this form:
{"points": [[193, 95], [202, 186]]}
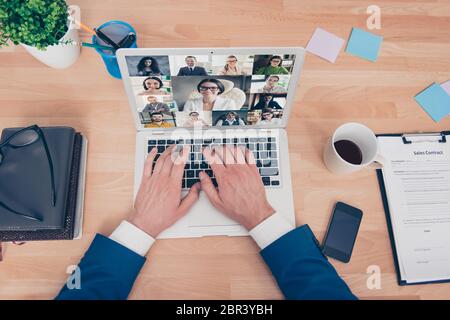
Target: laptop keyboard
{"points": [[265, 151]]}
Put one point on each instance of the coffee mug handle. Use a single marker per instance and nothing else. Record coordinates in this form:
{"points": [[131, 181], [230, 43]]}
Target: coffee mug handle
{"points": [[378, 162]]}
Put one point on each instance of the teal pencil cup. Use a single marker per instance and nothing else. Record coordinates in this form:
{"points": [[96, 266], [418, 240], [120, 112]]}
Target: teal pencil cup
{"points": [[116, 31]]}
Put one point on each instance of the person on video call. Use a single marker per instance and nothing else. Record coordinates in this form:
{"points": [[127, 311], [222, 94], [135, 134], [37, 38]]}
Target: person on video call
{"points": [[231, 119], [148, 66], [231, 68], [268, 119], [154, 105], [253, 117], [153, 86], [266, 102], [112, 263], [158, 121], [210, 89], [195, 120], [191, 69], [273, 67], [271, 86]]}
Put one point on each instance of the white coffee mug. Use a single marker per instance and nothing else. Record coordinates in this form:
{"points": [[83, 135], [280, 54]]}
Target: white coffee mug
{"points": [[363, 137]]}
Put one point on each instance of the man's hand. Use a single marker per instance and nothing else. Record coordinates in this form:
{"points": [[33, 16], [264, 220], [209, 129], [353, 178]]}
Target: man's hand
{"points": [[158, 203], [240, 194]]}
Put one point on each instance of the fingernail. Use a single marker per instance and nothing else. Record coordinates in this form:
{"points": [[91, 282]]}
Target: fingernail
{"points": [[200, 175]]}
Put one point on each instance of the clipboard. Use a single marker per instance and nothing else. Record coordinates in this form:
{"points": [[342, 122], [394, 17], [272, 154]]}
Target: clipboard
{"points": [[438, 137]]}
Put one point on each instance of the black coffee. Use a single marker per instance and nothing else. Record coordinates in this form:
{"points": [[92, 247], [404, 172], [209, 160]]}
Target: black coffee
{"points": [[349, 151]]}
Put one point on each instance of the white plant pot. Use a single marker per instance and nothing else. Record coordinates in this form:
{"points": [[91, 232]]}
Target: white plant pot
{"points": [[59, 56]]}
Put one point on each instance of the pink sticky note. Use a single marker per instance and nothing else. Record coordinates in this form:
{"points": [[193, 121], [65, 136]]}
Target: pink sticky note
{"points": [[446, 87], [325, 45]]}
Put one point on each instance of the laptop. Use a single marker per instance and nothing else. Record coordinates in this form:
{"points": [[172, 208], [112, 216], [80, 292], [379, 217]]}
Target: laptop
{"points": [[207, 97]]}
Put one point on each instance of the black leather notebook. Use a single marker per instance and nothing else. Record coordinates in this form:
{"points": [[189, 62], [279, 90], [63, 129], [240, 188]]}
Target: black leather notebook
{"points": [[25, 184], [67, 232]]}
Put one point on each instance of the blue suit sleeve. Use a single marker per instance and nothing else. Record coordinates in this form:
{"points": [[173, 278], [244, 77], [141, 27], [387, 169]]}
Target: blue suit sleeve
{"points": [[108, 271], [301, 269]]}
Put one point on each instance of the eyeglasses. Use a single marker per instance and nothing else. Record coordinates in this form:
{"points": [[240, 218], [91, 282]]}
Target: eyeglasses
{"points": [[212, 89], [22, 138], [229, 61]]}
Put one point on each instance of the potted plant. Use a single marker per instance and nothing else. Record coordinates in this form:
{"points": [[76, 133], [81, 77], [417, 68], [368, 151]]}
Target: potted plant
{"points": [[43, 28]]}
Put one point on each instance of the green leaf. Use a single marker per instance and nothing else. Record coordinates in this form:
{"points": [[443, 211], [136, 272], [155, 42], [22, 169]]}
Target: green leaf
{"points": [[38, 23]]}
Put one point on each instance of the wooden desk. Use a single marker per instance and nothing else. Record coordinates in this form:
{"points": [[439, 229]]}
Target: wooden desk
{"points": [[415, 53]]}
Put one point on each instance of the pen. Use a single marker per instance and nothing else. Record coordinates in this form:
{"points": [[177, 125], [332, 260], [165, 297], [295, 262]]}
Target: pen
{"points": [[85, 27]]}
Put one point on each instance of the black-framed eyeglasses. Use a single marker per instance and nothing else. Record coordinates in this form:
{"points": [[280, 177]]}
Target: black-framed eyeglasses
{"points": [[212, 89], [22, 138]]}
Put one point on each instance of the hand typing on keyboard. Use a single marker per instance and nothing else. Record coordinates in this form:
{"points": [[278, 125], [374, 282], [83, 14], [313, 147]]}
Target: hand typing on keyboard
{"points": [[158, 203], [240, 193]]}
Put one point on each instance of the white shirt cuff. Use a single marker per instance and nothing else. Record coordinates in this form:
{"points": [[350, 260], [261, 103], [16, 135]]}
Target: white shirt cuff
{"points": [[133, 238], [270, 230]]}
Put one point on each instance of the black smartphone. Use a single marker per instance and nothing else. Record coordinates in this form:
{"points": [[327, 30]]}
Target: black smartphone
{"points": [[342, 230]]}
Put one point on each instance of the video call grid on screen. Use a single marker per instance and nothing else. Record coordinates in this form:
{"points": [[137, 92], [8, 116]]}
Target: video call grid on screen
{"points": [[201, 90]]}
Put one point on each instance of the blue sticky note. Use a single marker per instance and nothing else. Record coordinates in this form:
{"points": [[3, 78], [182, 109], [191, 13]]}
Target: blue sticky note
{"points": [[435, 101], [364, 44]]}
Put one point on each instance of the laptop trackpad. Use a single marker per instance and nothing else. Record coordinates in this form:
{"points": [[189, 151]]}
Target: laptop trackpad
{"points": [[203, 220]]}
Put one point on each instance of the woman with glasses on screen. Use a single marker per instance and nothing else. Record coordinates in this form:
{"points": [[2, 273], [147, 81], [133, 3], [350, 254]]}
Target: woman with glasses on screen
{"points": [[210, 89], [273, 67], [231, 68]]}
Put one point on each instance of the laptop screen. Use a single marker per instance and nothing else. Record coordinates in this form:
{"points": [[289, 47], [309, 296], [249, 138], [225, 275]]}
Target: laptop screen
{"points": [[210, 90]]}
